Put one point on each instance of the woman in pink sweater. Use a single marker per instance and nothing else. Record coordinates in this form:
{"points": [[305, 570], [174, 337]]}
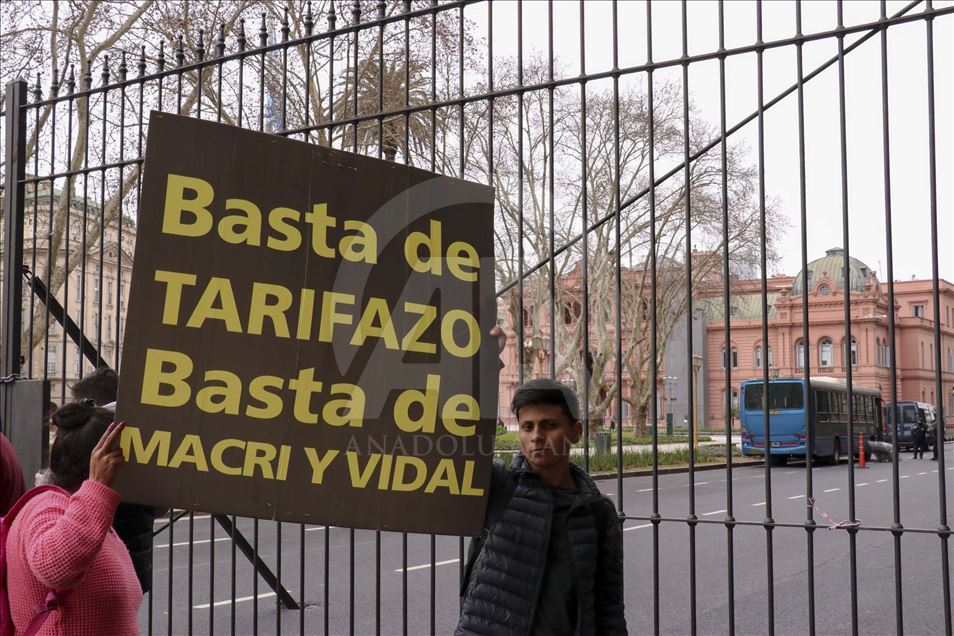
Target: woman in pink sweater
{"points": [[66, 542]]}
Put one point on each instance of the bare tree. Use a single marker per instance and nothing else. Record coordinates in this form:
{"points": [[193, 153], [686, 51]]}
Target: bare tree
{"points": [[305, 86], [586, 353]]}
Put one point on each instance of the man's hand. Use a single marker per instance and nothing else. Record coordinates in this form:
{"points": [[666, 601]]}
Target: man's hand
{"points": [[107, 456]]}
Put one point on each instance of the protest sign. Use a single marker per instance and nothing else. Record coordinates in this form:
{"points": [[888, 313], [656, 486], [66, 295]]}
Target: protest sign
{"points": [[307, 335]]}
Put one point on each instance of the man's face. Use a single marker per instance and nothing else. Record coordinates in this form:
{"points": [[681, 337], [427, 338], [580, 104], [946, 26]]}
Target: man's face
{"points": [[546, 434]]}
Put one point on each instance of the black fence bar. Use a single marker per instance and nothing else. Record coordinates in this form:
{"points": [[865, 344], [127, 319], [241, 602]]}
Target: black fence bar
{"points": [[358, 107]]}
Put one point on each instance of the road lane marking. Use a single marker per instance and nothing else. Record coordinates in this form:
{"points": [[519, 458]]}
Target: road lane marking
{"points": [[797, 497], [790, 472], [714, 512], [922, 473], [182, 543], [904, 476], [761, 503], [864, 483], [238, 600], [645, 525], [201, 541], [701, 483], [427, 565], [881, 481], [833, 489], [644, 490], [165, 519]]}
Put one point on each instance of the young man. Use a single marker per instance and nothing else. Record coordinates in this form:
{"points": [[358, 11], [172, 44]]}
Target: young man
{"points": [[550, 560]]}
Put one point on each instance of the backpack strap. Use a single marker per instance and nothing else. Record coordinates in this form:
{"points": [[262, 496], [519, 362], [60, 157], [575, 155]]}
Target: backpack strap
{"points": [[51, 602]]}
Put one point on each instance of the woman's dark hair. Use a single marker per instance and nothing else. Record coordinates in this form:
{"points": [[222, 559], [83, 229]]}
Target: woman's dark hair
{"points": [[79, 425], [546, 391]]}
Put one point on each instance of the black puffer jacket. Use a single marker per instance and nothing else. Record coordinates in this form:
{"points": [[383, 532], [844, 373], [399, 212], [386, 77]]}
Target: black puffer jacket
{"points": [[504, 573]]}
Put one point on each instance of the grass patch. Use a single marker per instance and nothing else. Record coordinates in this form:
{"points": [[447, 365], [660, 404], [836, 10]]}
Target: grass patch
{"points": [[511, 441]]}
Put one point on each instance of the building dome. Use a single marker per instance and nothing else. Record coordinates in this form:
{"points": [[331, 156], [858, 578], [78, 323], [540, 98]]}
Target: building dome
{"points": [[832, 267]]}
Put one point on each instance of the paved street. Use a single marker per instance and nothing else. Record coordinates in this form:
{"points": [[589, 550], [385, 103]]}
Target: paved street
{"points": [[923, 608]]}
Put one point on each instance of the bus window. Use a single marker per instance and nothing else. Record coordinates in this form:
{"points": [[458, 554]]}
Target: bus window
{"points": [[822, 405], [782, 396]]}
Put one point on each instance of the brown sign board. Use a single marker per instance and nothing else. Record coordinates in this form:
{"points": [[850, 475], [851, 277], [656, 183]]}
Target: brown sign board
{"points": [[307, 335]]}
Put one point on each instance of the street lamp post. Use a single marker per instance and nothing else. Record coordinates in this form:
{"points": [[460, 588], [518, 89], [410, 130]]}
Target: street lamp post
{"points": [[696, 365], [668, 382]]}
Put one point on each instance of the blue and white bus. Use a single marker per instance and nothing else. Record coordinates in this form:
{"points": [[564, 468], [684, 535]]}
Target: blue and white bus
{"points": [[790, 407]]}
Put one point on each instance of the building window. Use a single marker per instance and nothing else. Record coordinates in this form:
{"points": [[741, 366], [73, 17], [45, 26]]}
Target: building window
{"points": [[825, 358], [917, 311], [735, 358], [824, 290], [950, 362], [878, 354], [800, 358], [109, 327], [854, 352], [758, 357], [771, 358], [51, 359], [109, 293]]}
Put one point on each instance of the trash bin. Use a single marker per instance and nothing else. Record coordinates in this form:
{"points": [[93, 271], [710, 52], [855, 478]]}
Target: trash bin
{"points": [[602, 443]]}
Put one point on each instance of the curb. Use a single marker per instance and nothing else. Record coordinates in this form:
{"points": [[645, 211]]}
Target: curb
{"points": [[671, 470]]}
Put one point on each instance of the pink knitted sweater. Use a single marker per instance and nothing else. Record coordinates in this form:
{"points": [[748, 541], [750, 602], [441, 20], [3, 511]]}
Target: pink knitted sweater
{"points": [[68, 543]]}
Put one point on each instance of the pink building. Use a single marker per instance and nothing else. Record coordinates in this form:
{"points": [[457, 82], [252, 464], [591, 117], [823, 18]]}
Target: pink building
{"points": [[827, 351]]}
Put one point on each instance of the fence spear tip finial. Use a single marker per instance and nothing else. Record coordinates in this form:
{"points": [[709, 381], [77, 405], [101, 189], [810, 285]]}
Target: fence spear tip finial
{"points": [[309, 22]]}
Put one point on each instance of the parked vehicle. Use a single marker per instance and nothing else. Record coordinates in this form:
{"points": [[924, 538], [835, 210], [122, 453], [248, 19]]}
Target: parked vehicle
{"points": [[792, 408], [907, 416]]}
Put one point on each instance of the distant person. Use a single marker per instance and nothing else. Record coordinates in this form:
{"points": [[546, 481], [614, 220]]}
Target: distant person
{"points": [[134, 523], [61, 540], [550, 559], [918, 436], [933, 440], [11, 475]]}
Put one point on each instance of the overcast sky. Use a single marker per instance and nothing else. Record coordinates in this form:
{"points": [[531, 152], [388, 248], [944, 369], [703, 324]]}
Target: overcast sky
{"points": [[907, 105]]}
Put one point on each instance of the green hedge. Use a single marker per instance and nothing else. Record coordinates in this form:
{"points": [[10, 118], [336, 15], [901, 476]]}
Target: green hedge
{"points": [[633, 459], [511, 440]]}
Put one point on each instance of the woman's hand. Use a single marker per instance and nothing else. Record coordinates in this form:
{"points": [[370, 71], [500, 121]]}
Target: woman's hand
{"points": [[107, 456], [498, 333]]}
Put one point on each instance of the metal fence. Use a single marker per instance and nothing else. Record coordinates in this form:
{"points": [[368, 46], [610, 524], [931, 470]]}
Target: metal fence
{"points": [[593, 167]]}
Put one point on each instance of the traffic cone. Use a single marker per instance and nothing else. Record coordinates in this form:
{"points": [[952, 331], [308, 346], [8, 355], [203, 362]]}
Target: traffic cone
{"points": [[861, 450]]}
